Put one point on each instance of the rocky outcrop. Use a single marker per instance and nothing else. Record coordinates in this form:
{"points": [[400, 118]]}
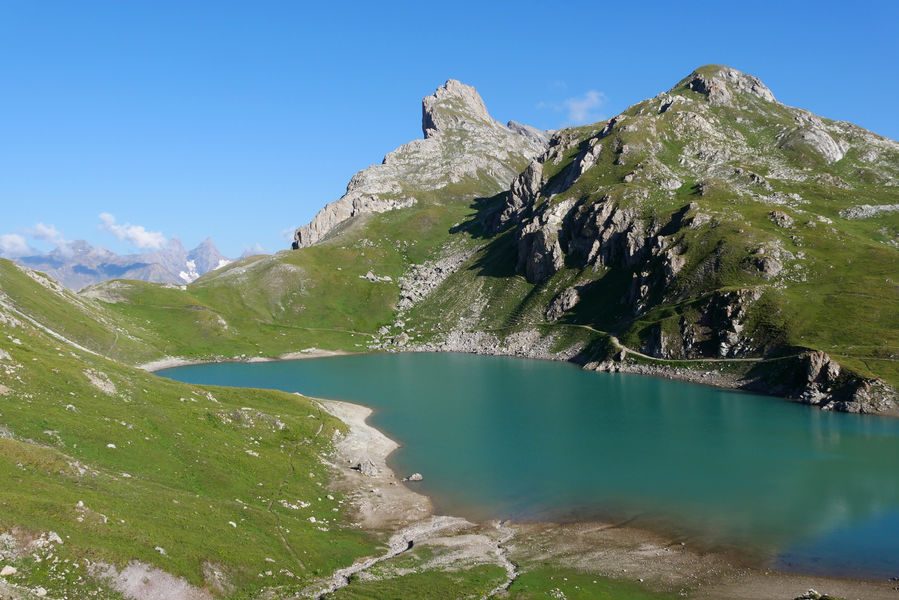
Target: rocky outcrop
{"points": [[606, 234], [342, 210], [539, 136], [720, 84], [814, 139], [461, 142], [562, 303], [522, 194], [540, 255], [716, 328], [866, 211], [823, 382]]}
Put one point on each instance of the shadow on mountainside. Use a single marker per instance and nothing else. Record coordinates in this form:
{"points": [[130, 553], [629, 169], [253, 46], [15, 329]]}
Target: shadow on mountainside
{"points": [[477, 226]]}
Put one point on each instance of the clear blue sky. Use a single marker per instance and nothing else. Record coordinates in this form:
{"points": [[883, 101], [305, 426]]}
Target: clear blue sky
{"points": [[239, 120]]}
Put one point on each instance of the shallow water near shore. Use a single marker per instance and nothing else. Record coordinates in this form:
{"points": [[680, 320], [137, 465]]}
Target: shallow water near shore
{"points": [[499, 437]]}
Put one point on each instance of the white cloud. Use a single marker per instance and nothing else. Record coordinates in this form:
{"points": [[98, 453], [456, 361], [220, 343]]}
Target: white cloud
{"points": [[582, 109], [47, 233], [136, 235], [578, 109], [13, 245]]}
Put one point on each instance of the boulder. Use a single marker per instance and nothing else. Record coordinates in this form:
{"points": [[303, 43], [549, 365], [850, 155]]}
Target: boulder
{"points": [[781, 219], [366, 467]]}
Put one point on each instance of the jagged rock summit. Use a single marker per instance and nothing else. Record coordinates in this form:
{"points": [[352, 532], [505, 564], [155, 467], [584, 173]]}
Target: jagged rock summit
{"points": [[720, 83], [453, 106], [462, 143]]}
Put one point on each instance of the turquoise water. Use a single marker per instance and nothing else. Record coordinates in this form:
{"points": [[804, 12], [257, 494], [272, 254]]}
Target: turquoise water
{"points": [[508, 438]]}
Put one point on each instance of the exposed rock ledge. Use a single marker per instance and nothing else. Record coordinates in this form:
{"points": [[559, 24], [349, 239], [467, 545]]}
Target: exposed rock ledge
{"points": [[866, 211]]}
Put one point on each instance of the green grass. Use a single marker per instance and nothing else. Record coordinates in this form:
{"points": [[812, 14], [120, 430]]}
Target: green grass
{"points": [[314, 297], [437, 584], [543, 582], [187, 461]]}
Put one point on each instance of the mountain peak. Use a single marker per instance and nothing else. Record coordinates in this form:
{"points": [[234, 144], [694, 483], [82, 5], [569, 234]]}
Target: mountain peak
{"points": [[719, 83], [454, 105]]}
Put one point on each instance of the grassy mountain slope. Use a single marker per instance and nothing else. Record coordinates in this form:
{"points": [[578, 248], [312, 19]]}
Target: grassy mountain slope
{"points": [[123, 465], [657, 214], [115, 479], [313, 297]]}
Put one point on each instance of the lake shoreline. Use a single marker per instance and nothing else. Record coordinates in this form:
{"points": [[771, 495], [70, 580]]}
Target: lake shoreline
{"points": [[716, 379], [720, 379], [384, 503]]}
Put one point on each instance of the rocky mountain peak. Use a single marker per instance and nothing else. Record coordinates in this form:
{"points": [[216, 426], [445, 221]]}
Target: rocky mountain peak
{"points": [[462, 143], [206, 257], [720, 83], [454, 105]]}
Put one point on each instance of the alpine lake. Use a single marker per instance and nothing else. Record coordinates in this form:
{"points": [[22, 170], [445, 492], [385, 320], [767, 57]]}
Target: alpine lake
{"points": [[792, 487]]}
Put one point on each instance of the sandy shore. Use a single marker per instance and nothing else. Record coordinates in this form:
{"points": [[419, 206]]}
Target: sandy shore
{"points": [[384, 504], [381, 503], [177, 361], [380, 500]]}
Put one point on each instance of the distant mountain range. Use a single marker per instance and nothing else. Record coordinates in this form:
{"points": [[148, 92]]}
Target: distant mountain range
{"points": [[79, 264]]}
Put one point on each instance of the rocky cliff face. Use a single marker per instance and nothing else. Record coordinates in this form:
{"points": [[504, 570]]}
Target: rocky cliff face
{"points": [[461, 142]]}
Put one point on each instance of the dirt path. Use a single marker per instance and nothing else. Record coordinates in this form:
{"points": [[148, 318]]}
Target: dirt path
{"points": [[400, 542]]}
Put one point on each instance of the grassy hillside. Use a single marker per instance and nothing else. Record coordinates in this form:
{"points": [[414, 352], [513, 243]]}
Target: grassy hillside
{"points": [[714, 190], [123, 465], [116, 479], [314, 297]]}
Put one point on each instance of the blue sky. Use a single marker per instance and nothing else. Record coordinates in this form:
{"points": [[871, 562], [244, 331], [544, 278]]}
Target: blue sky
{"points": [[239, 120]]}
